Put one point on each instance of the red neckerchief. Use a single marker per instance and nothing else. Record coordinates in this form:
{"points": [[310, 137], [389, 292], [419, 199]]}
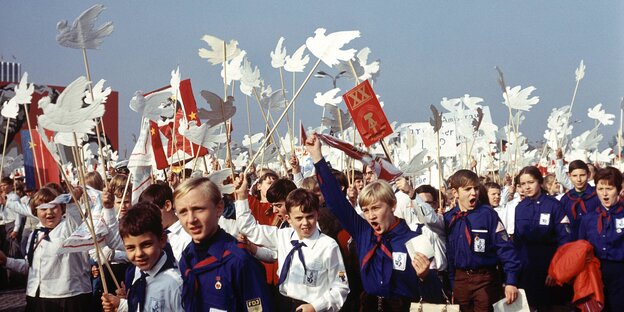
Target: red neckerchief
{"points": [[379, 244], [462, 215], [603, 213], [579, 200]]}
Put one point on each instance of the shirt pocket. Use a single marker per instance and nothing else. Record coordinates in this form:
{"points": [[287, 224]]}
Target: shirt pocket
{"points": [[480, 240]]}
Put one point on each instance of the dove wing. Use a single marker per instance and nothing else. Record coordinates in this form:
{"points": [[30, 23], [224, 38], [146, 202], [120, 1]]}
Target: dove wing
{"points": [[338, 39], [86, 21], [213, 100], [70, 99]]}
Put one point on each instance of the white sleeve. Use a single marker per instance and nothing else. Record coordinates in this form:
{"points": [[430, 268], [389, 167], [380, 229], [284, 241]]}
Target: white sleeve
{"points": [[228, 225], [298, 179], [258, 234], [336, 296], [266, 254], [504, 195], [123, 305], [562, 177], [17, 265], [113, 239], [428, 216]]}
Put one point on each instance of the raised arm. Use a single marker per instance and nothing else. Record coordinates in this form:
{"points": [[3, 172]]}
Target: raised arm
{"points": [[335, 200]]}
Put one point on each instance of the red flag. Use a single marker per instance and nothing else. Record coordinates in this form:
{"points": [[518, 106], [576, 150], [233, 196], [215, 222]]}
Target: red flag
{"points": [[367, 114], [383, 168], [187, 111]]}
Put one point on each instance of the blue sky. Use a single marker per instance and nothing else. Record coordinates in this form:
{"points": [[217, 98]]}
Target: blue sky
{"points": [[428, 50]]}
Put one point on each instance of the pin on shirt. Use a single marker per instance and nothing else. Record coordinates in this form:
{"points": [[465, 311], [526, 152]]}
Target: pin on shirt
{"points": [[218, 283], [479, 244], [544, 219]]}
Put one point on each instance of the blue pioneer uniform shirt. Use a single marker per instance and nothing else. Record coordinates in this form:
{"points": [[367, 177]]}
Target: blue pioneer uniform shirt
{"points": [[220, 275], [541, 227], [576, 205], [604, 229], [477, 239], [385, 265]]}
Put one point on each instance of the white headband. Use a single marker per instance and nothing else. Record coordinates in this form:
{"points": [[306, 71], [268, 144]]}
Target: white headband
{"points": [[61, 199]]}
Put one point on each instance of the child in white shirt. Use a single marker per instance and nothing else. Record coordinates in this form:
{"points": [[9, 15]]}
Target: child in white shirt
{"points": [[311, 268], [56, 282]]}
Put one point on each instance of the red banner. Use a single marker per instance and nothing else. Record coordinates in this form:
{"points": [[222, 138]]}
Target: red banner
{"points": [[367, 114]]}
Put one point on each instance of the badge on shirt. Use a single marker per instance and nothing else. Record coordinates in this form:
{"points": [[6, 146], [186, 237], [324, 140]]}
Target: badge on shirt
{"points": [[479, 244], [254, 305], [398, 261], [342, 276], [544, 218], [310, 277], [565, 220], [218, 283], [155, 304], [619, 223]]}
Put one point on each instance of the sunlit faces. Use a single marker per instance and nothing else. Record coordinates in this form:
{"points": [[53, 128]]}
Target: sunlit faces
{"points": [[530, 186], [608, 194], [553, 187], [380, 216], [304, 223], [6, 188], [579, 179], [279, 209], [359, 184], [467, 197], [198, 214], [123, 206], [144, 250], [494, 196], [264, 186], [50, 217], [369, 175]]}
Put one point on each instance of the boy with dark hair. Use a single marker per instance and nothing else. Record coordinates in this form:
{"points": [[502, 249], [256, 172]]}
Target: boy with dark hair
{"points": [[162, 196], [315, 278], [154, 281], [476, 243], [276, 195]]}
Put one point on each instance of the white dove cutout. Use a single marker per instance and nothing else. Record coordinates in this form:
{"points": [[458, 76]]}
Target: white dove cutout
{"points": [[100, 95], [67, 138], [519, 98], [278, 56], [363, 69], [250, 78], [23, 95], [327, 48], [599, 114], [68, 115], [255, 141], [451, 105], [174, 82], [154, 107], [328, 97], [217, 54], [82, 34], [52, 148], [241, 160], [297, 62], [274, 100], [203, 135], [234, 68], [218, 177], [472, 103], [416, 164]]}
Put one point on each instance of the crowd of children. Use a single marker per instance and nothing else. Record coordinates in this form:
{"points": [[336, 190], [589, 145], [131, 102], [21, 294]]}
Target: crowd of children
{"points": [[321, 243]]}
